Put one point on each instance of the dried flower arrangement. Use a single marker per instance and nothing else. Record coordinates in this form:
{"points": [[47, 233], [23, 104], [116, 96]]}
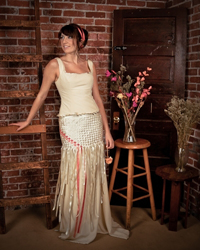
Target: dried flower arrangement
{"points": [[130, 96], [184, 114]]}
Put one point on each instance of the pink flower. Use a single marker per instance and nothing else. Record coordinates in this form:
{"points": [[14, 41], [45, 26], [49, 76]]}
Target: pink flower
{"points": [[112, 93], [135, 98], [137, 91], [140, 74], [145, 92], [108, 73], [129, 94], [149, 69], [134, 104], [145, 73], [138, 81], [143, 95], [142, 79], [114, 79]]}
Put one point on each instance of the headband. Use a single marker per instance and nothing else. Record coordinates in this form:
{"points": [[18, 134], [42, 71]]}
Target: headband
{"points": [[81, 33]]}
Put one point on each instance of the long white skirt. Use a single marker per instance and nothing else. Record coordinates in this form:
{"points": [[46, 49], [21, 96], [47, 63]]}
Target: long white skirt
{"points": [[81, 199]]}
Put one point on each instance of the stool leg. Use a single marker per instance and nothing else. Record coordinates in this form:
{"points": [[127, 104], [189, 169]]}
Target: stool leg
{"points": [[187, 203], [163, 202], [114, 171], [146, 163], [129, 187]]}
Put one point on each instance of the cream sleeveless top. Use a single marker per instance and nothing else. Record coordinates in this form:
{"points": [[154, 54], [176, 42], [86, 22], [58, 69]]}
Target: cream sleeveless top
{"points": [[75, 90]]}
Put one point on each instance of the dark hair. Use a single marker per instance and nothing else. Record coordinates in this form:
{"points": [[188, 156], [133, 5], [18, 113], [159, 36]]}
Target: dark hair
{"points": [[73, 31]]}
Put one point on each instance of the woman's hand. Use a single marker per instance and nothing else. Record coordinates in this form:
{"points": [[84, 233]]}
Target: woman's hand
{"points": [[109, 141], [20, 125]]}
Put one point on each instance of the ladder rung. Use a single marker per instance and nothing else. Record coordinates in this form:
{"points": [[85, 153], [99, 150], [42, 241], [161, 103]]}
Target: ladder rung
{"points": [[31, 129], [25, 201], [19, 23], [24, 165], [18, 93], [21, 58]]}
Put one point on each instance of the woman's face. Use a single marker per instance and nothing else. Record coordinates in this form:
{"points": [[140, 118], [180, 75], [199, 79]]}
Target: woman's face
{"points": [[68, 44]]}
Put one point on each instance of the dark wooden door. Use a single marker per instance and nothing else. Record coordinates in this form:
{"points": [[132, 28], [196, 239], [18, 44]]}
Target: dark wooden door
{"points": [[157, 39]]}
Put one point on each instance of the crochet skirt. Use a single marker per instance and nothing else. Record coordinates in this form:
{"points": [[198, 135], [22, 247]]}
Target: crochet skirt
{"points": [[81, 198]]}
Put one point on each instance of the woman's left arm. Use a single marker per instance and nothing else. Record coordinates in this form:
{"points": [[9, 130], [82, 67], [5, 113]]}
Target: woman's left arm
{"points": [[98, 100]]}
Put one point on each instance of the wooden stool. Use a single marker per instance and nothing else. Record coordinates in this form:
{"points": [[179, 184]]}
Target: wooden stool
{"points": [[129, 171]]}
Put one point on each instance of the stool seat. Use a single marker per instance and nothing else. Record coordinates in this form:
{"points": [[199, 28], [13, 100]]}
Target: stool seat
{"points": [[139, 144], [129, 171]]}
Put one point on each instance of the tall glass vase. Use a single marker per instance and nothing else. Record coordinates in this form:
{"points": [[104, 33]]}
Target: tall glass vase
{"points": [[181, 158], [129, 130]]}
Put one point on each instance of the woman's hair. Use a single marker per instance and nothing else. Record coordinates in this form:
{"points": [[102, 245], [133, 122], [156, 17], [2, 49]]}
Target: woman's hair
{"points": [[76, 32]]}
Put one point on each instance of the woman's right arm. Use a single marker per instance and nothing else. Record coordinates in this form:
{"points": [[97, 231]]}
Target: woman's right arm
{"points": [[51, 73]]}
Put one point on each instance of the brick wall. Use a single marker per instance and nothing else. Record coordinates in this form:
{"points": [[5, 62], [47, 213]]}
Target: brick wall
{"points": [[96, 17], [192, 89]]}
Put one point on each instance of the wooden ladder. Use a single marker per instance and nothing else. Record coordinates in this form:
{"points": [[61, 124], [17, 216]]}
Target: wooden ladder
{"points": [[32, 129]]}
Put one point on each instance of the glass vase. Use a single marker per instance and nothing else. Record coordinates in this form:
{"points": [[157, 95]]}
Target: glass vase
{"points": [[129, 129], [181, 158]]}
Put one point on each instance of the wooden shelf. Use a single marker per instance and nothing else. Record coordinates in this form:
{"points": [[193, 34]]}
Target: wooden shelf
{"points": [[24, 165], [21, 58]]}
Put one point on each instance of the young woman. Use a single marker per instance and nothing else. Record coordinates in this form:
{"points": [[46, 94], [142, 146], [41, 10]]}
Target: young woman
{"points": [[81, 198]]}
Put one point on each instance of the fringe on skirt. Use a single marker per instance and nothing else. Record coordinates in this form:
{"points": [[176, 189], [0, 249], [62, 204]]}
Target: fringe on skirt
{"points": [[81, 199]]}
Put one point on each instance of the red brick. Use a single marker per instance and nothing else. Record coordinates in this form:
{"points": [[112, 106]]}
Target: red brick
{"points": [[3, 3], [4, 10], [28, 11], [136, 3], [195, 79], [17, 17], [18, 49], [10, 187], [50, 12], [19, 152], [19, 109], [4, 138], [18, 3], [16, 33], [97, 1], [155, 5], [26, 42], [195, 64], [73, 13], [94, 29], [196, 17], [191, 72], [3, 109], [17, 193], [95, 14], [10, 173], [5, 153], [19, 79], [84, 6], [30, 144], [62, 6], [31, 172], [6, 41], [9, 145], [191, 87], [82, 21], [9, 159]]}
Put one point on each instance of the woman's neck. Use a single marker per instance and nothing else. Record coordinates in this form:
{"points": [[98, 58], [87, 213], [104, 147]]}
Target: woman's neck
{"points": [[71, 58]]}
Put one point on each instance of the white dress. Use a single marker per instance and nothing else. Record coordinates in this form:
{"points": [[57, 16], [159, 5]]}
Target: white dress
{"points": [[81, 199]]}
